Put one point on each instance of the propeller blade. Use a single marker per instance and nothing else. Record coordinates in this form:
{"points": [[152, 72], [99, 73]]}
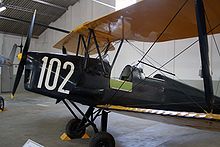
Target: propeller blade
{"points": [[24, 54], [18, 77]]}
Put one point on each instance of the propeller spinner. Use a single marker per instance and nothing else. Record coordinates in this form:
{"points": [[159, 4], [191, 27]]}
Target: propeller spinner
{"points": [[24, 55]]}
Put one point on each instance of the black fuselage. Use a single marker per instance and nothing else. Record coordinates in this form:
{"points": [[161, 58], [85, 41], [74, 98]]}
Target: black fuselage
{"points": [[71, 77]]}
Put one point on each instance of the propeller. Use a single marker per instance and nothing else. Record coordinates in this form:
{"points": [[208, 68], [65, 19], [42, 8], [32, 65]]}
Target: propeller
{"points": [[24, 55]]}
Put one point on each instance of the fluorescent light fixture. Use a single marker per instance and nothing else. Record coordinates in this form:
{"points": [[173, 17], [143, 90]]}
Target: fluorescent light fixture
{"points": [[107, 5], [2, 8], [50, 4], [120, 4]]}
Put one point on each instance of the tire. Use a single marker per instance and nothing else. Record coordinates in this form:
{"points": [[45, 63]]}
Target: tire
{"points": [[71, 129], [102, 139], [2, 104]]}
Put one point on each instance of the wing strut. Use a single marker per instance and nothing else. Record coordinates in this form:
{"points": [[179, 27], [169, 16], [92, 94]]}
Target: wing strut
{"points": [[78, 45], [87, 45], [107, 48], [97, 47], [64, 50], [203, 42], [116, 55], [86, 48]]}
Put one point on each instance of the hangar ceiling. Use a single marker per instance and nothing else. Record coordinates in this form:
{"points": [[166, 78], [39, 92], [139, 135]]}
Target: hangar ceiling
{"points": [[47, 11]]}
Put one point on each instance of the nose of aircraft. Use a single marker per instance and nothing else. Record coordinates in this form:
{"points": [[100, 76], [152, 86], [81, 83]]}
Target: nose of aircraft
{"points": [[24, 57], [19, 56]]}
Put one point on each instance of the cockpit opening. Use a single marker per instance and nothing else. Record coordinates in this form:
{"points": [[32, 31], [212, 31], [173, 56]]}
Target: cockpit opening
{"points": [[131, 72]]}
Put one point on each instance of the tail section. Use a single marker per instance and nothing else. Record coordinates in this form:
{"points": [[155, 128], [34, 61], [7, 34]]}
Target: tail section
{"points": [[12, 54]]}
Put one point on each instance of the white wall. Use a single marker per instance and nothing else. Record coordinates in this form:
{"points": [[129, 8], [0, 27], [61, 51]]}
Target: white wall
{"points": [[81, 12], [186, 66], [7, 42]]}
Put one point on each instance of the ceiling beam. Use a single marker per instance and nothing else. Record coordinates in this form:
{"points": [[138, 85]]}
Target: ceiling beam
{"points": [[49, 4], [39, 24], [17, 34]]}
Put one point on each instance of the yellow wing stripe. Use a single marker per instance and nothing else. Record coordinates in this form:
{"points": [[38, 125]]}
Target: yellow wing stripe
{"points": [[163, 112]]}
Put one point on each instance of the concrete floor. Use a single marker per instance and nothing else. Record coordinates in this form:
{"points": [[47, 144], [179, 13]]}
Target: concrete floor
{"points": [[38, 118]]}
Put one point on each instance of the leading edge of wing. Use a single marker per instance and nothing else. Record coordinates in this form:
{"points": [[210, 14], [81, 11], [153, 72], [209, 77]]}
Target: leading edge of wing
{"points": [[70, 41]]}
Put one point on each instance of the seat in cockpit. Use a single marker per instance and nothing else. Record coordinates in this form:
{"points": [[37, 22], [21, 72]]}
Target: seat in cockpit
{"points": [[126, 73], [130, 72]]}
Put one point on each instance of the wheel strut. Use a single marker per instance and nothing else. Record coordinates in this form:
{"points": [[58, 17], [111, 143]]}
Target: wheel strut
{"points": [[86, 116], [104, 121], [102, 137]]}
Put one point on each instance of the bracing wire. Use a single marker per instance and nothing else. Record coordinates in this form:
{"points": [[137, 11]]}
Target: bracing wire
{"points": [[141, 53], [164, 29], [172, 19], [216, 45]]}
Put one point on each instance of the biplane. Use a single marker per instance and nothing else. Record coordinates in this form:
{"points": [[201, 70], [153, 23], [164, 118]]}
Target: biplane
{"points": [[8, 61], [85, 76]]}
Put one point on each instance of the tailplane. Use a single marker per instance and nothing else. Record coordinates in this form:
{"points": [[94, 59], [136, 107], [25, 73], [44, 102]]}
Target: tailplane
{"points": [[12, 54]]}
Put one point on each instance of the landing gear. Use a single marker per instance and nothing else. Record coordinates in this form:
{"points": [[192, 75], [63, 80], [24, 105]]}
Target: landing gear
{"points": [[76, 127], [2, 104], [102, 139], [73, 129]]}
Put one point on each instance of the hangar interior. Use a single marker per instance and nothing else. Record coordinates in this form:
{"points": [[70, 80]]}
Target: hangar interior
{"points": [[80, 12], [31, 116]]}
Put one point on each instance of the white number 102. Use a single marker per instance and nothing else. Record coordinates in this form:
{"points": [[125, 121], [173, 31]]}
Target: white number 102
{"points": [[56, 74]]}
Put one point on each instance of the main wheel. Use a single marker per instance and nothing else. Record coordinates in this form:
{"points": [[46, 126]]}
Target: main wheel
{"points": [[102, 139], [2, 104], [72, 129]]}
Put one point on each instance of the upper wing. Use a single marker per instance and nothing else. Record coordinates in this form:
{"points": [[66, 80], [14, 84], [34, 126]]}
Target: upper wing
{"points": [[146, 20], [70, 42]]}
